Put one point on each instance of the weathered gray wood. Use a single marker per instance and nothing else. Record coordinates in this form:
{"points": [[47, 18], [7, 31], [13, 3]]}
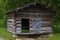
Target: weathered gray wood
{"points": [[18, 21], [10, 17], [46, 25], [46, 22], [11, 29], [18, 30], [10, 20], [46, 29], [18, 25], [10, 23], [26, 14], [46, 19]]}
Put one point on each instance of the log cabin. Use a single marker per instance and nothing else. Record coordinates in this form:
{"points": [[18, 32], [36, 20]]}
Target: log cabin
{"points": [[32, 18]]}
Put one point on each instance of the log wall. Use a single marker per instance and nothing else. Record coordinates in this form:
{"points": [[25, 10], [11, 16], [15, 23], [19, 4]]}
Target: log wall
{"points": [[45, 17], [11, 23]]}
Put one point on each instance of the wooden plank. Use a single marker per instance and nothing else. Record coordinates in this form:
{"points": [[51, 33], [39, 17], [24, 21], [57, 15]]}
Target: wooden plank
{"points": [[27, 13], [10, 23], [17, 18], [10, 14], [18, 24], [46, 29], [11, 27], [46, 22], [46, 19], [10, 20], [34, 31], [18, 30], [18, 21], [34, 10], [46, 25], [12, 30], [10, 17]]}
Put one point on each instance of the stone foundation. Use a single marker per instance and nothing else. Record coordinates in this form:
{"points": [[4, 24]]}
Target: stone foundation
{"points": [[41, 37]]}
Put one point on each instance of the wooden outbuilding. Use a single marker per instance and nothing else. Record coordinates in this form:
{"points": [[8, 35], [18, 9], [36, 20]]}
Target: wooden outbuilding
{"points": [[32, 18]]}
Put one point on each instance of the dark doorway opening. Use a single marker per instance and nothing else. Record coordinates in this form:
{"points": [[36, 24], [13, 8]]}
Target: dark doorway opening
{"points": [[25, 25]]}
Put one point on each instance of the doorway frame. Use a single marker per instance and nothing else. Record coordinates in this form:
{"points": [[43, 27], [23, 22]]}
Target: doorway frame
{"points": [[29, 25]]}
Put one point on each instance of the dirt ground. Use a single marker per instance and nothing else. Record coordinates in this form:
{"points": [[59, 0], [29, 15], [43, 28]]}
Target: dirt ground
{"points": [[39, 38], [1, 38]]}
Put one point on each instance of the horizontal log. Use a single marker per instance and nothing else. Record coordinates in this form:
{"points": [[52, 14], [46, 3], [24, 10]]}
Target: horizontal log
{"points": [[46, 28], [18, 24], [46, 19], [18, 30], [34, 16], [46, 25], [11, 26], [10, 14], [10, 19], [12, 30], [10, 23], [45, 32], [24, 14], [17, 18], [34, 10], [34, 31], [46, 22], [18, 21]]}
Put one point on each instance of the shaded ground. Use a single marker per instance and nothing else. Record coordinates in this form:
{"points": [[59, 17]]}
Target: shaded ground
{"points": [[1, 38]]}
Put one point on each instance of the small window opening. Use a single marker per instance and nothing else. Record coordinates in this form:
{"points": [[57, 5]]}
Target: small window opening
{"points": [[25, 25]]}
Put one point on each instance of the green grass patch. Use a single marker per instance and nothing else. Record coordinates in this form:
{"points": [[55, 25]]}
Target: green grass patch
{"points": [[25, 31], [56, 36], [6, 35]]}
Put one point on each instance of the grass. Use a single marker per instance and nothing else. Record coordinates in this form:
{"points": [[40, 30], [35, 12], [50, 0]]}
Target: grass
{"points": [[56, 36], [5, 34], [25, 31]]}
